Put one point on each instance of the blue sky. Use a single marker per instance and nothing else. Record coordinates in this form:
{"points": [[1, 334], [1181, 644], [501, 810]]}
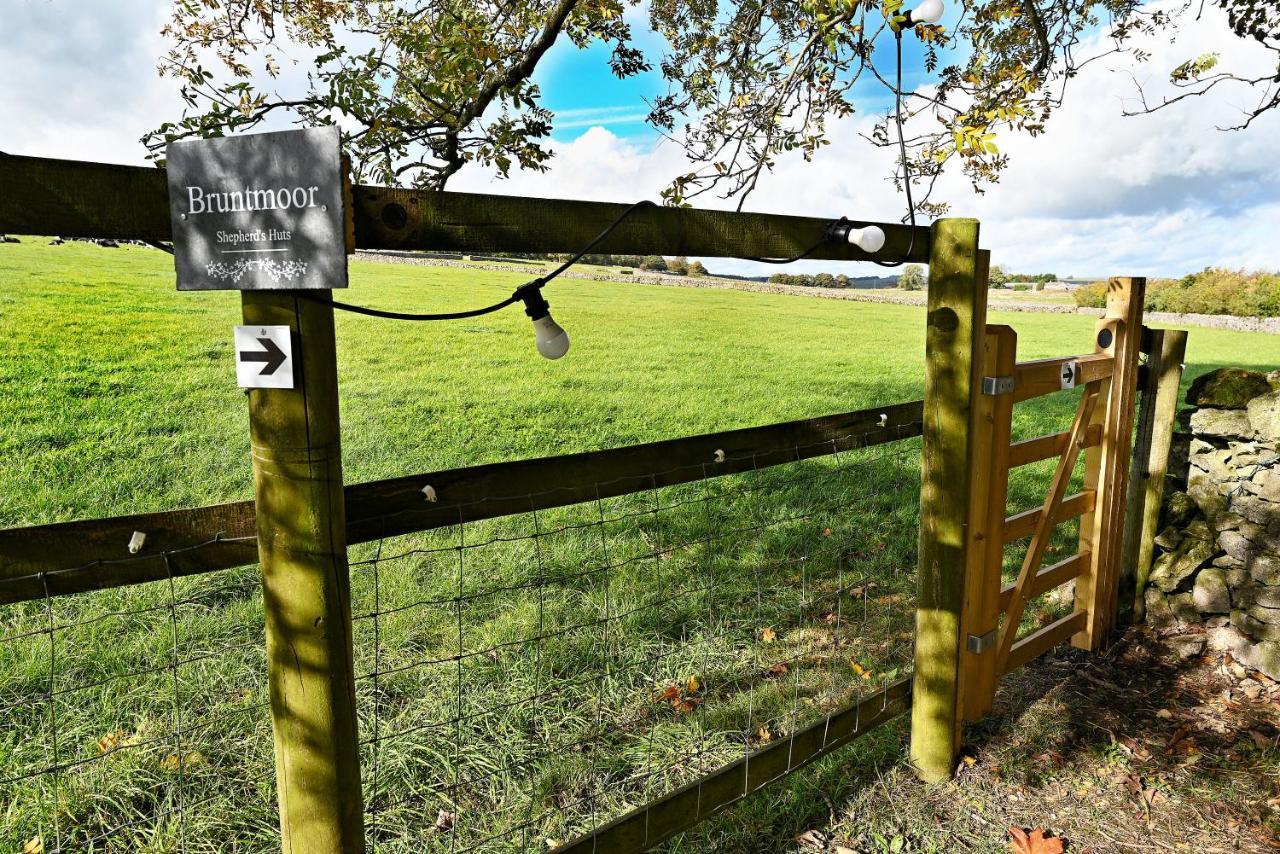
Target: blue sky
{"points": [[1097, 194], [579, 87]]}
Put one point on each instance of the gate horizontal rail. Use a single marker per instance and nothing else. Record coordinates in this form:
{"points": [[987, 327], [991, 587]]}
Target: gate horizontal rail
{"points": [[72, 557], [100, 200]]}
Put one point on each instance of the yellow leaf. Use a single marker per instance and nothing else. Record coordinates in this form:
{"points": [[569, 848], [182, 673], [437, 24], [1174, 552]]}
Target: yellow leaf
{"points": [[35, 845], [110, 741], [692, 685], [768, 635], [764, 735]]}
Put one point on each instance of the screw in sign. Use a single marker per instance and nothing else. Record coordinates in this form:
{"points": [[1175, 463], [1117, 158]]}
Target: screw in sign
{"points": [[264, 356]]}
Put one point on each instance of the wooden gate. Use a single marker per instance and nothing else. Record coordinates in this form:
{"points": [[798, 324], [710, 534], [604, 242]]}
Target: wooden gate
{"points": [[968, 620]]}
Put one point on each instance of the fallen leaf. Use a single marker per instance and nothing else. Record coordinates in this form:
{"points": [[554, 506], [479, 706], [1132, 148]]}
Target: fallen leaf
{"points": [[669, 693], [764, 735], [692, 685], [778, 669], [1034, 842], [826, 532], [1261, 741], [813, 839], [768, 635], [445, 820], [111, 741], [35, 845]]}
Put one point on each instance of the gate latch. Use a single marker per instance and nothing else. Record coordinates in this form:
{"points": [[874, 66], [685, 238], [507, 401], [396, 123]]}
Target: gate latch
{"points": [[997, 385], [978, 645]]}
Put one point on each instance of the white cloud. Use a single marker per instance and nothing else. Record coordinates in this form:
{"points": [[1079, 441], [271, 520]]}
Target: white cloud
{"points": [[82, 84], [1096, 194]]}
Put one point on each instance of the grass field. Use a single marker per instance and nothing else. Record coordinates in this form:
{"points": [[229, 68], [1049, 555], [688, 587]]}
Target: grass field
{"points": [[117, 395]]}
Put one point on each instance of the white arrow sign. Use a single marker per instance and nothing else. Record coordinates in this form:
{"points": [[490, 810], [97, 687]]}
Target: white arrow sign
{"points": [[264, 356], [1069, 375]]}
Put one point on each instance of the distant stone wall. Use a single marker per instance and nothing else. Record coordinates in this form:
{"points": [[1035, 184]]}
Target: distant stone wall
{"points": [[1217, 569]]}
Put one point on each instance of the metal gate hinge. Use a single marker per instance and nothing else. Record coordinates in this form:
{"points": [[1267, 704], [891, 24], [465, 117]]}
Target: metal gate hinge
{"points": [[997, 385], [979, 645]]}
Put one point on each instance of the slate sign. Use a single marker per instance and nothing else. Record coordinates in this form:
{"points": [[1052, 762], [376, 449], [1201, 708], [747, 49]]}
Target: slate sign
{"points": [[258, 212]]}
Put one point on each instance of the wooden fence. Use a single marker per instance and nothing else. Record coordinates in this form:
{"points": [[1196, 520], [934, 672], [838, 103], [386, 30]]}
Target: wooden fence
{"points": [[972, 384]]}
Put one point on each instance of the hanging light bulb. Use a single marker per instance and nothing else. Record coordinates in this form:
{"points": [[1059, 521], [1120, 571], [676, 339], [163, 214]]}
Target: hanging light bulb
{"points": [[928, 12], [550, 337], [869, 238]]}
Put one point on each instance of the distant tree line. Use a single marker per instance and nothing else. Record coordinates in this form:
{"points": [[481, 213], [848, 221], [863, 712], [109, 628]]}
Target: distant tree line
{"points": [[998, 278], [1214, 290]]}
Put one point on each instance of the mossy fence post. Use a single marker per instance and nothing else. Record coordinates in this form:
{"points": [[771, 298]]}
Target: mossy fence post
{"points": [[1166, 349], [301, 525], [954, 342]]}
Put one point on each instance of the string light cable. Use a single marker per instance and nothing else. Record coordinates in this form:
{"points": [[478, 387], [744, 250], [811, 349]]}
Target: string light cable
{"points": [[551, 339]]}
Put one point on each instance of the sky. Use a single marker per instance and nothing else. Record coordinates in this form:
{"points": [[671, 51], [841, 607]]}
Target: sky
{"points": [[1097, 194]]}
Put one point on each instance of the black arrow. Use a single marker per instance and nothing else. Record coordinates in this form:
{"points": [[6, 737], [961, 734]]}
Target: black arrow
{"points": [[273, 356]]}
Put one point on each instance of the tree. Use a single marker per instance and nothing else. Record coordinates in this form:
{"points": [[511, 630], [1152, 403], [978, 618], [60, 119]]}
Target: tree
{"points": [[420, 88], [696, 269], [911, 278], [997, 278], [842, 281], [654, 263], [678, 266], [824, 280]]}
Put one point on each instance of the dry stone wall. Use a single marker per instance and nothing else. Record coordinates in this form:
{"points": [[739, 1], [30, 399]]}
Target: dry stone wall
{"points": [[1217, 570]]}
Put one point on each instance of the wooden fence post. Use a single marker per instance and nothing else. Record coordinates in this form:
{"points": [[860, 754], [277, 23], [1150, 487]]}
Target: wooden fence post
{"points": [[1119, 333], [301, 524], [956, 326], [1166, 351]]}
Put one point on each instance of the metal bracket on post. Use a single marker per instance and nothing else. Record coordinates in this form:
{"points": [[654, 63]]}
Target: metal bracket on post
{"points": [[979, 644], [997, 385]]}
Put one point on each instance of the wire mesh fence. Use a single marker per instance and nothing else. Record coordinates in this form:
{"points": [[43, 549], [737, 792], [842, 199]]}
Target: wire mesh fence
{"points": [[521, 680], [525, 679], [137, 719]]}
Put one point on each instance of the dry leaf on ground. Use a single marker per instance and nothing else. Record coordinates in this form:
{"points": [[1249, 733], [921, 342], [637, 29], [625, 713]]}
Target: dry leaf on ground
{"points": [[813, 839], [1035, 842]]}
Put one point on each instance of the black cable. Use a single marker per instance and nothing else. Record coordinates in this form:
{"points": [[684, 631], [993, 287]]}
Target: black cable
{"points": [[902, 153], [805, 254], [524, 292], [906, 176]]}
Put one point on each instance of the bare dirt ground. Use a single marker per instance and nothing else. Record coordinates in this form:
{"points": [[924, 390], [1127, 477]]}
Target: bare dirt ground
{"points": [[1155, 746]]}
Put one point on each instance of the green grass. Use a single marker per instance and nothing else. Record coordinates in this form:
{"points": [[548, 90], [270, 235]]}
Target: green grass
{"points": [[117, 395]]}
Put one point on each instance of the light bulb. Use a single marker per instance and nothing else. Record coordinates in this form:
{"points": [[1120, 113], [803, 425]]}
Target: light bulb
{"points": [[868, 239], [552, 340], [928, 12]]}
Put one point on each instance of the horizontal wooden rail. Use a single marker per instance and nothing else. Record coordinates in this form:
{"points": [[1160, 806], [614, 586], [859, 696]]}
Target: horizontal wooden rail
{"points": [[77, 199], [649, 825], [72, 557], [1044, 639], [1049, 577], [1044, 376], [1040, 448], [1024, 524]]}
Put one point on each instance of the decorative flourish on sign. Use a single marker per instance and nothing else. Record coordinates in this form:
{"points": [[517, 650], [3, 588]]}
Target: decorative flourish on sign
{"points": [[277, 270]]}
